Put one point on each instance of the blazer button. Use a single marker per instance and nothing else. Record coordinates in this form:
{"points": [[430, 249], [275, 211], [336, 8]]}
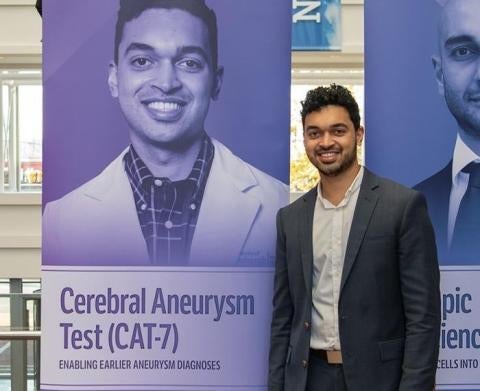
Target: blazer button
{"points": [[304, 363], [306, 325]]}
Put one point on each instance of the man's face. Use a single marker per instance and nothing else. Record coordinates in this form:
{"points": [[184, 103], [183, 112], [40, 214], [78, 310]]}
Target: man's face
{"points": [[458, 68], [331, 140], [164, 78]]}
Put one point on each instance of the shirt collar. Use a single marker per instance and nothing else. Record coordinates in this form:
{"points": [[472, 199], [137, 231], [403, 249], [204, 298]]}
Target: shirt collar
{"points": [[462, 157], [141, 176], [355, 185]]}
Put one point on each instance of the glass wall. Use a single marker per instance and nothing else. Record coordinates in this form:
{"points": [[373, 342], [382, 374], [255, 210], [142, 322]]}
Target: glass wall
{"points": [[21, 118]]}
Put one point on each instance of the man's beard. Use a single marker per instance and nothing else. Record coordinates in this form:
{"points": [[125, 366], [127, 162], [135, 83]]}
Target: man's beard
{"points": [[467, 117], [335, 169]]}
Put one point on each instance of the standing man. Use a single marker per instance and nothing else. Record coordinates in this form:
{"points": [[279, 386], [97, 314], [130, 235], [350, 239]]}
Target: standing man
{"points": [[356, 299], [175, 196], [453, 193]]}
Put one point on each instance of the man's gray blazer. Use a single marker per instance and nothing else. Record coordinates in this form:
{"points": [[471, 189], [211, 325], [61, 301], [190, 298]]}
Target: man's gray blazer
{"points": [[389, 304]]}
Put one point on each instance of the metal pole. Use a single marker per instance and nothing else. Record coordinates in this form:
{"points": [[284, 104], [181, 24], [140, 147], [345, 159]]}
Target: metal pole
{"points": [[18, 350]]}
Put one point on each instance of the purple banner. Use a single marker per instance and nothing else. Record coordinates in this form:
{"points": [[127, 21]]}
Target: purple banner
{"points": [[166, 159], [423, 129]]}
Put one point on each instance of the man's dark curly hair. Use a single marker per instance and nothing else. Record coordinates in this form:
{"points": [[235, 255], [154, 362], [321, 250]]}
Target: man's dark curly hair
{"points": [[129, 10], [334, 95]]}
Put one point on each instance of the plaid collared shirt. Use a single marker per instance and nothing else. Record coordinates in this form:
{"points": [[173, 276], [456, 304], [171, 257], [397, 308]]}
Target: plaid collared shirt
{"points": [[168, 211]]}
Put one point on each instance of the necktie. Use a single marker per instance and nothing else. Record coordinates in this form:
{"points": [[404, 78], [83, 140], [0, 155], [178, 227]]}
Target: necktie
{"points": [[465, 248]]}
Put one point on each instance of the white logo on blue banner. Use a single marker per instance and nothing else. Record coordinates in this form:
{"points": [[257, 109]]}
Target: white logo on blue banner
{"points": [[316, 25]]}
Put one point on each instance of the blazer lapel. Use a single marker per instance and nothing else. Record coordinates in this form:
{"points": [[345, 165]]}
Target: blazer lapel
{"points": [[436, 189], [306, 235], [366, 202]]}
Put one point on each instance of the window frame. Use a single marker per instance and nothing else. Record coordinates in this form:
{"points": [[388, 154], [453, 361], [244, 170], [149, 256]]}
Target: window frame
{"points": [[11, 193]]}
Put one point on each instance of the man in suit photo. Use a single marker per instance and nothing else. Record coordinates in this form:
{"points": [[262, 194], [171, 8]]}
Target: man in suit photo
{"points": [[175, 196], [453, 193], [356, 295]]}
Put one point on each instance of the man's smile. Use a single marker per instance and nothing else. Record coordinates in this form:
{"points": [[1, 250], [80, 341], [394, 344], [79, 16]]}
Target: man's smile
{"points": [[165, 109], [328, 156]]}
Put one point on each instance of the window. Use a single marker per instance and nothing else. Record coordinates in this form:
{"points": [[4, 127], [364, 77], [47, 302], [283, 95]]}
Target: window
{"points": [[21, 136]]}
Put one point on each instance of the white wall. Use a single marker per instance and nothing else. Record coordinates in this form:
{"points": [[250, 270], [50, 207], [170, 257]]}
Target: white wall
{"points": [[20, 222], [20, 214], [20, 32], [352, 26], [20, 43]]}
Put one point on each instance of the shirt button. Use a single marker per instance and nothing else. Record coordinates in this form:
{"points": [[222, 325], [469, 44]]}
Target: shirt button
{"points": [[306, 325], [168, 224], [143, 206], [193, 206], [158, 182], [304, 363]]}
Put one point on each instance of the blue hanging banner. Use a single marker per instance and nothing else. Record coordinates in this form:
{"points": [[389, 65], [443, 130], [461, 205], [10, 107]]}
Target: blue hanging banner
{"points": [[316, 25]]}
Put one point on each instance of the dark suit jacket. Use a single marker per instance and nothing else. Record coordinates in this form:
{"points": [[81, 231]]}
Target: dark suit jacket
{"points": [[436, 190], [389, 304]]}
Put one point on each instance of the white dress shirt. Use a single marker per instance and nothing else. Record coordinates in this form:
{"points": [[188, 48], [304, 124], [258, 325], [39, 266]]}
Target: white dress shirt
{"points": [[331, 227], [462, 157]]}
